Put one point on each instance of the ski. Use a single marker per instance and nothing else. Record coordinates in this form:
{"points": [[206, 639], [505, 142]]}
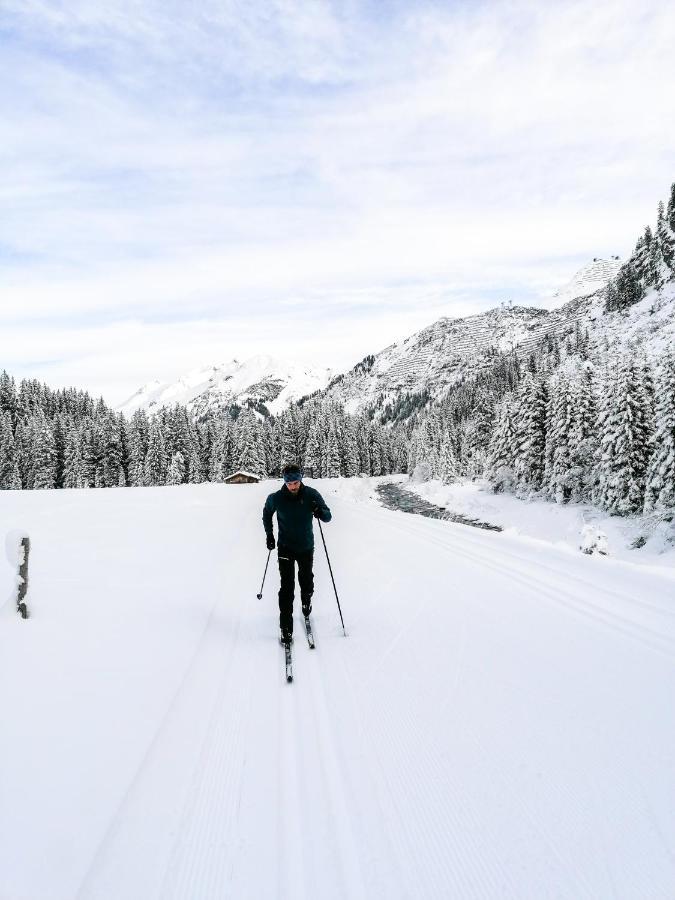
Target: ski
{"points": [[308, 632], [289, 661]]}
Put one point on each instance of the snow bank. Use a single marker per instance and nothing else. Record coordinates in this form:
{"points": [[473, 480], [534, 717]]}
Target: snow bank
{"points": [[641, 539]]}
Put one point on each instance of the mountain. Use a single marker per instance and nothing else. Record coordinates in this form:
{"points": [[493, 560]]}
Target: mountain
{"points": [[435, 358], [588, 280], [449, 350], [262, 382]]}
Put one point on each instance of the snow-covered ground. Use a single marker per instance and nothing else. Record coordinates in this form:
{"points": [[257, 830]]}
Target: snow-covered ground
{"points": [[498, 723], [647, 540]]}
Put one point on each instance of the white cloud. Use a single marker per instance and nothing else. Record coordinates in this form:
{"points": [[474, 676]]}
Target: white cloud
{"points": [[223, 166]]}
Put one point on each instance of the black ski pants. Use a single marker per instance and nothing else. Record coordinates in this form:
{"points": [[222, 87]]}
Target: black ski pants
{"points": [[287, 560]]}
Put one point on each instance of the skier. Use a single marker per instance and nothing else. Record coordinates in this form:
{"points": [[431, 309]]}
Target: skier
{"points": [[295, 504]]}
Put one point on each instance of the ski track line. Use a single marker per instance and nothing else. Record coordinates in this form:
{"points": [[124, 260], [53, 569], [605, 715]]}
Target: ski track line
{"points": [[430, 789], [511, 786], [632, 631], [509, 552], [598, 587], [458, 533], [292, 868], [346, 859], [581, 605], [384, 876], [455, 863], [410, 881], [573, 601], [204, 849], [88, 884]]}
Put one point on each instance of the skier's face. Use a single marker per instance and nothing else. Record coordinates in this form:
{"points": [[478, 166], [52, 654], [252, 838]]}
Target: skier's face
{"points": [[293, 486]]}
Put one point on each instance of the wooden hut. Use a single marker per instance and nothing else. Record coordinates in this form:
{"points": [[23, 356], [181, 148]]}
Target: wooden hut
{"points": [[242, 478]]}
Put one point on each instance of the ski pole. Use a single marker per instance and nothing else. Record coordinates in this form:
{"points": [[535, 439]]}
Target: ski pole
{"points": [[330, 569], [259, 596]]}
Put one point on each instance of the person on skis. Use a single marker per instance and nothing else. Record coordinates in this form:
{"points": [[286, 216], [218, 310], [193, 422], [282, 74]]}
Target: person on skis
{"points": [[295, 504]]}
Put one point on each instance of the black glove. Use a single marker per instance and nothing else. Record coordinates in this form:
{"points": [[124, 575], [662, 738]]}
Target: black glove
{"points": [[271, 543], [316, 512]]}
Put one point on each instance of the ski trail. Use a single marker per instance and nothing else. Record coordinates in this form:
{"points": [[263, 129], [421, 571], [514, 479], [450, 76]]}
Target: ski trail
{"points": [[127, 844], [347, 875], [514, 567], [206, 843]]}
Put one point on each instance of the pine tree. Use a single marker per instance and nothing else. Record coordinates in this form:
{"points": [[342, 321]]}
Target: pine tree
{"points": [[44, 453], [583, 440], [249, 448], [557, 453], [660, 480], [350, 463], [624, 440], [176, 473], [501, 455], [10, 479], [8, 396], [447, 464], [138, 431], [312, 455], [332, 466], [74, 471], [156, 464], [530, 426]]}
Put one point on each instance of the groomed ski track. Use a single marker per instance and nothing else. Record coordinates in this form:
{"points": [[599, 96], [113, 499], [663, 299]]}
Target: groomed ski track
{"points": [[498, 724]]}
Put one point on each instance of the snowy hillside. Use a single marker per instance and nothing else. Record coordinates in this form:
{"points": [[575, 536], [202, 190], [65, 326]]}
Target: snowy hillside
{"points": [[260, 380], [435, 358], [438, 356], [589, 279], [498, 723]]}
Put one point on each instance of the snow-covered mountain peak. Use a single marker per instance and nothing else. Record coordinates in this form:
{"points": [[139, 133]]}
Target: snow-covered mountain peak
{"points": [[261, 380], [587, 280]]}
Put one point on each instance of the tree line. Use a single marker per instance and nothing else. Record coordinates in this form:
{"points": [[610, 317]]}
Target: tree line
{"points": [[651, 264], [65, 439]]}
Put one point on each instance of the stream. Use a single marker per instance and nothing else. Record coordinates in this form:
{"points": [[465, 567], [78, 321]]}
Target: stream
{"points": [[393, 496]]}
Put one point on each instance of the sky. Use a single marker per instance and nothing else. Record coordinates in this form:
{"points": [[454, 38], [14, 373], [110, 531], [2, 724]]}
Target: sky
{"points": [[186, 183]]}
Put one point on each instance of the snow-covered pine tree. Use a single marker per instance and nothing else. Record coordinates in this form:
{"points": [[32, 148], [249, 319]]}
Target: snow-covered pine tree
{"points": [[111, 453], [74, 469], [194, 473], [660, 479], [332, 455], [312, 455], [8, 396], [557, 452], [176, 471], [448, 466], [250, 451], [624, 440], [218, 471], [530, 426], [669, 238], [43, 452], [583, 440], [10, 479], [501, 455], [137, 442], [156, 463], [664, 240], [350, 461]]}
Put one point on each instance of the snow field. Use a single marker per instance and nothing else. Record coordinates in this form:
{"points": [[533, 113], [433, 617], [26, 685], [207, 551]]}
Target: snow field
{"points": [[499, 722]]}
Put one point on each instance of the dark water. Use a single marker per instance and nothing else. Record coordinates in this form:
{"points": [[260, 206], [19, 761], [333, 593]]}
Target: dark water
{"points": [[393, 496]]}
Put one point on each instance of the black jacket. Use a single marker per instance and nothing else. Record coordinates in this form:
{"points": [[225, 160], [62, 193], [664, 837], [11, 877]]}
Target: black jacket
{"points": [[294, 516]]}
